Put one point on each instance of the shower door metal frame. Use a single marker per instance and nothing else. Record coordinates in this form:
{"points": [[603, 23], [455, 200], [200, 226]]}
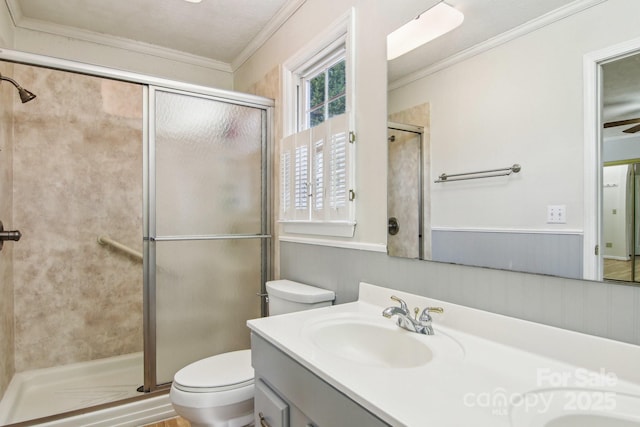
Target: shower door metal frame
{"points": [[149, 220]]}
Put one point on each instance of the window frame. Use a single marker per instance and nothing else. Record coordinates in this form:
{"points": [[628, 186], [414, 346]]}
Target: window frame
{"points": [[333, 56], [326, 50]]}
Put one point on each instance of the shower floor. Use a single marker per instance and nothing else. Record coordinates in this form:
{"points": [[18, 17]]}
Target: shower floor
{"points": [[43, 392]]}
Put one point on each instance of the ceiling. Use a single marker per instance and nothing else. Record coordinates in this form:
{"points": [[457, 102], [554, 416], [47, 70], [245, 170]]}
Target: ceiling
{"points": [[621, 94], [225, 31], [483, 21], [222, 34]]}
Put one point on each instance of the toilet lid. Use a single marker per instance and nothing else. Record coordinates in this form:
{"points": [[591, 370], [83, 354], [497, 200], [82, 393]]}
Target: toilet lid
{"points": [[216, 373]]}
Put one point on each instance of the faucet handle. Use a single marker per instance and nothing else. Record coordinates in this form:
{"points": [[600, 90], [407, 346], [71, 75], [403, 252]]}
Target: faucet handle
{"points": [[403, 305], [426, 317]]}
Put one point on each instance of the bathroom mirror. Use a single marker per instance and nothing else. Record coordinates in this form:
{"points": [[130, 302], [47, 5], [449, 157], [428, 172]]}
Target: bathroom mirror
{"points": [[493, 98]]}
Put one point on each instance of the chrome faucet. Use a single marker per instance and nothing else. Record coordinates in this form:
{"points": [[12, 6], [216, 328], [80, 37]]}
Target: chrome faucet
{"points": [[420, 325]]}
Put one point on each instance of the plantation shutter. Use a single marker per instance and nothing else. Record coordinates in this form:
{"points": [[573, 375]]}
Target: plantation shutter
{"points": [[316, 174], [320, 175], [338, 183], [301, 184], [286, 177]]}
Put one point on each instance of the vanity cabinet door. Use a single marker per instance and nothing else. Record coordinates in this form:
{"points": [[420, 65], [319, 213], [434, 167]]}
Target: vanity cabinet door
{"points": [[312, 401], [269, 409]]}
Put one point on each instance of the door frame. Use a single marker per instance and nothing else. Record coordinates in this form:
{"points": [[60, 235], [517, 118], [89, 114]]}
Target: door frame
{"points": [[592, 76]]}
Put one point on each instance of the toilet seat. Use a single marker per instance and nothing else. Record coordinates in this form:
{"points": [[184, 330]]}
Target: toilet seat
{"points": [[226, 371]]}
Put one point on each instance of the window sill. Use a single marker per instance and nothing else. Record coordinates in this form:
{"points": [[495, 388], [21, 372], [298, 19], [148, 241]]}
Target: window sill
{"points": [[320, 228]]}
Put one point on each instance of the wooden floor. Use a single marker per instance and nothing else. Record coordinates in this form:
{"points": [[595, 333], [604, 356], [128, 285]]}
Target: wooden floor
{"points": [[173, 422], [620, 270]]}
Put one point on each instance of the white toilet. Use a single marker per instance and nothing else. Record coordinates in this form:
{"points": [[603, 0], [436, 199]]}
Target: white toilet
{"points": [[218, 391]]}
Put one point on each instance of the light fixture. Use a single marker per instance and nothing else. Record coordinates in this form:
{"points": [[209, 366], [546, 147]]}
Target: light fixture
{"points": [[429, 25], [193, 1]]}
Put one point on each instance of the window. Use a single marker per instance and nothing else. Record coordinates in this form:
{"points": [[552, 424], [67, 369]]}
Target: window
{"points": [[316, 159], [324, 92]]}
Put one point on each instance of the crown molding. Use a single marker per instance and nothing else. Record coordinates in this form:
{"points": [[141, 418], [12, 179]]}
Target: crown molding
{"points": [[526, 28], [14, 11], [273, 25], [121, 43], [20, 21]]}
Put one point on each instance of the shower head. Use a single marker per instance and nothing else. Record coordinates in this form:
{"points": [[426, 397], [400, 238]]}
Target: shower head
{"points": [[25, 95]]}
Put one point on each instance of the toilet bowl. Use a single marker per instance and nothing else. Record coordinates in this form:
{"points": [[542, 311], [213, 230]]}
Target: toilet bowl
{"points": [[218, 391]]}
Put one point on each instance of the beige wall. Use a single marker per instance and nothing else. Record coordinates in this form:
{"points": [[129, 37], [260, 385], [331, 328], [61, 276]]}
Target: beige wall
{"points": [[8, 96], [6, 28], [312, 19], [270, 86], [77, 172], [120, 59]]}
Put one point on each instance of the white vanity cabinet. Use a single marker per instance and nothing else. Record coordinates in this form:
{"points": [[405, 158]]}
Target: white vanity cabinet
{"points": [[283, 386], [348, 366]]}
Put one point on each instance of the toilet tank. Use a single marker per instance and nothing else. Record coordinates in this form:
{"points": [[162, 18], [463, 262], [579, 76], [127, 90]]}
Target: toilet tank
{"points": [[287, 296]]}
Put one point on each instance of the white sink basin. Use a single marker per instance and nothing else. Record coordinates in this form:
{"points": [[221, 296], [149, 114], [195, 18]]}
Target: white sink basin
{"points": [[369, 341], [590, 420], [576, 407]]}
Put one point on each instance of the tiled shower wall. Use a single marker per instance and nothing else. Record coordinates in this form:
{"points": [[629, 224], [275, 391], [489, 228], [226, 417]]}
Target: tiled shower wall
{"points": [[77, 174], [8, 97]]}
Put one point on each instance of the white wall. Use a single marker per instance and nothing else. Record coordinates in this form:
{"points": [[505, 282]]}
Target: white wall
{"points": [[370, 94], [521, 102], [6, 28], [96, 54]]}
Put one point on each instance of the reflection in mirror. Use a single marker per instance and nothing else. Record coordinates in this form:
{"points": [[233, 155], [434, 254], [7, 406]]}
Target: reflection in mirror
{"points": [[620, 221], [621, 169], [498, 96], [404, 125], [404, 183]]}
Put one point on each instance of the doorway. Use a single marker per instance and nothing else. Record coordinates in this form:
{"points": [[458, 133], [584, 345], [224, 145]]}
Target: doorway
{"points": [[620, 144], [621, 222], [610, 101]]}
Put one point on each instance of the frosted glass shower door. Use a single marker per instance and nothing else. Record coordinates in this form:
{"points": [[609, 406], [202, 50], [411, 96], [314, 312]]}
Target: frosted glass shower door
{"points": [[207, 226]]}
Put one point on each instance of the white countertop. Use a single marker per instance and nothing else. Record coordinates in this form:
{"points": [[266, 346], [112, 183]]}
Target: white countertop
{"points": [[487, 369]]}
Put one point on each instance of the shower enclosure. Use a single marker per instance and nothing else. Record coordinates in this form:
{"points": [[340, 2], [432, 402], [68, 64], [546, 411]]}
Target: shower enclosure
{"points": [[176, 172], [405, 191]]}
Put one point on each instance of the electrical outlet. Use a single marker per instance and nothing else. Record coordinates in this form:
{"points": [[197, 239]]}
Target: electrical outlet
{"points": [[556, 214], [609, 245]]}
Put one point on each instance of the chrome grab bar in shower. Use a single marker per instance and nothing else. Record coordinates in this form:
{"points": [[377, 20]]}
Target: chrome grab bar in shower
{"points": [[480, 174], [106, 240]]}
